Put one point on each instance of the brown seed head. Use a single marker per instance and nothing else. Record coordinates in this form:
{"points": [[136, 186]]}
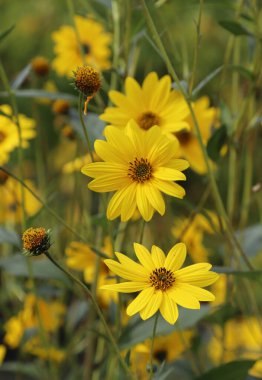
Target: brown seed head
{"points": [[40, 66], [87, 80], [36, 241]]}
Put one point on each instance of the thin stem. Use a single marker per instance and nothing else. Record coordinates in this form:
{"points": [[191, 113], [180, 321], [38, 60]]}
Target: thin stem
{"points": [[216, 195], [197, 44], [90, 151], [98, 311], [142, 231], [152, 347], [116, 41]]}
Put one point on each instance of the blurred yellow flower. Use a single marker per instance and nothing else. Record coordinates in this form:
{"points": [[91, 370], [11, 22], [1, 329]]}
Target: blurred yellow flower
{"points": [[166, 349], [2, 353], [161, 282], [94, 43], [153, 103], [81, 258], [35, 347], [77, 164], [9, 137], [51, 314], [241, 338], [139, 165], [191, 232], [11, 200], [190, 149]]}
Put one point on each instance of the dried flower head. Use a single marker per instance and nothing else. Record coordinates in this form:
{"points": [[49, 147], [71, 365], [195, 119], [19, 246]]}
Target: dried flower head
{"points": [[36, 241], [40, 66], [87, 80]]}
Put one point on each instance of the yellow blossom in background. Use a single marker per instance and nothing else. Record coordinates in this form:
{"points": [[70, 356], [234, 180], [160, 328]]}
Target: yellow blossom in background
{"points": [[35, 347], [139, 165], [94, 43], [2, 353], [9, 137], [51, 314], [153, 103], [241, 338], [191, 232], [166, 349], [11, 200], [161, 282], [81, 258], [219, 288], [77, 164], [207, 118]]}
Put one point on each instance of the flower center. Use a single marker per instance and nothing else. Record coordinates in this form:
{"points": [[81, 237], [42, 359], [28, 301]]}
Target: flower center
{"points": [[147, 119], [162, 279], [2, 136], [87, 80], [184, 137], [86, 48], [140, 170]]}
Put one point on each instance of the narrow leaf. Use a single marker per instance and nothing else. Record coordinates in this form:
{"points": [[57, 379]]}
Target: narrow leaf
{"points": [[229, 371], [6, 32], [216, 142], [235, 28], [206, 80]]}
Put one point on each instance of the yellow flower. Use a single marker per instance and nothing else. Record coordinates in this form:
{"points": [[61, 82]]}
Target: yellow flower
{"points": [[81, 257], [240, 338], [51, 314], [153, 103], [94, 42], [139, 165], [207, 117], [77, 164], [166, 349], [161, 282], [9, 137], [191, 232], [2, 353], [11, 200], [34, 347]]}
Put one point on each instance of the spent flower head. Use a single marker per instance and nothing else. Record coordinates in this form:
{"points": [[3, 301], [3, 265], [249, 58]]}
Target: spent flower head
{"points": [[40, 66], [36, 241], [87, 80]]}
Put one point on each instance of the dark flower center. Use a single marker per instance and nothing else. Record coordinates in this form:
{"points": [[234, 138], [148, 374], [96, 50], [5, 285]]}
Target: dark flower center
{"points": [[147, 119], [162, 279], [184, 137], [160, 355], [86, 48], [2, 136], [140, 170]]}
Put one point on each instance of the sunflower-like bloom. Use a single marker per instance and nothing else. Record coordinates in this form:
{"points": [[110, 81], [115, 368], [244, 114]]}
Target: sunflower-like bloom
{"points": [[161, 282], [9, 137], [94, 44], [138, 166], [153, 103], [207, 118]]}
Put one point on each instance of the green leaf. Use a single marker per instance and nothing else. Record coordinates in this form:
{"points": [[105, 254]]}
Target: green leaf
{"points": [[42, 269], [20, 78], [34, 93], [252, 275], [229, 371], [216, 142], [138, 330], [23, 371], [243, 71], [206, 80], [8, 236], [235, 28], [6, 32]]}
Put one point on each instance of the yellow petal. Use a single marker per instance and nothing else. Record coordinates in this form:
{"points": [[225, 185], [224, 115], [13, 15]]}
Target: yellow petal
{"points": [[140, 301], [132, 265], [169, 188], [115, 204], [184, 298], [144, 207], [191, 269], [152, 306], [108, 183], [129, 204], [169, 174], [168, 309], [126, 287], [155, 198], [127, 273], [199, 293], [158, 256], [144, 256], [175, 257], [200, 279]]}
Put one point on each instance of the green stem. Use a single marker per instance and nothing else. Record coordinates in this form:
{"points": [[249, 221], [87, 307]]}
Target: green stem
{"points": [[116, 42], [80, 110], [98, 311], [152, 347], [216, 195], [142, 231], [197, 43]]}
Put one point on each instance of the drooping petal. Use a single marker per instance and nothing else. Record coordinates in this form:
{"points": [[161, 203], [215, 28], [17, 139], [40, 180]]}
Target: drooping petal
{"points": [[169, 188], [144, 256], [140, 301], [155, 198], [168, 309], [143, 204], [158, 256], [126, 287], [126, 273], [129, 205], [115, 203], [183, 298], [152, 306], [175, 257]]}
